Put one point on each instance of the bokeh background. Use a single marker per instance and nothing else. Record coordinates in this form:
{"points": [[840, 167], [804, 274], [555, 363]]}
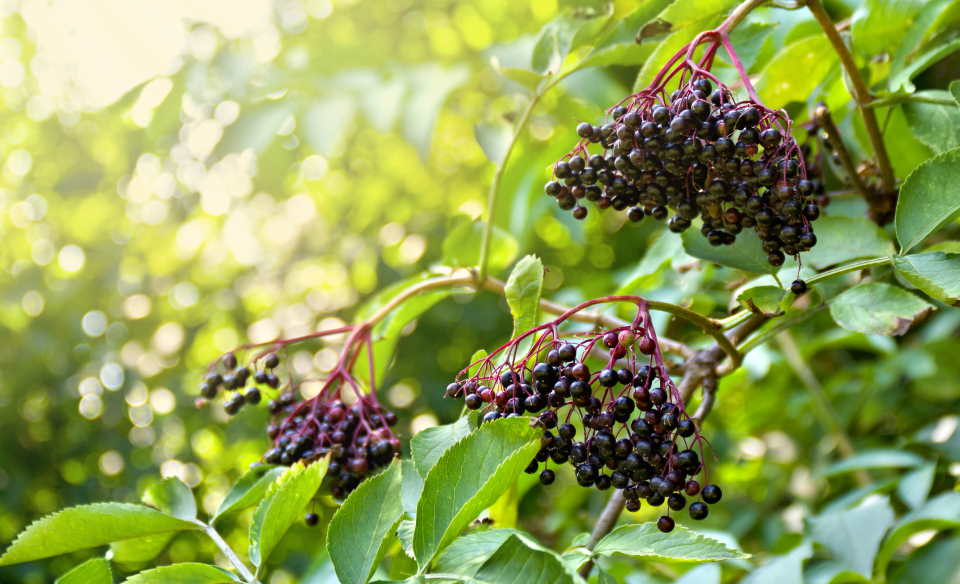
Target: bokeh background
{"points": [[178, 178]]}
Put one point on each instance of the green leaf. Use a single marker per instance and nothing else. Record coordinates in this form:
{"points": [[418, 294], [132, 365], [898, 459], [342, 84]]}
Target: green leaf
{"points": [[87, 526], [461, 247], [567, 31], [515, 563], [785, 569], [411, 487], [249, 489], [936, 273], [94, 571], [172, 497], [843, 239], [853, 536], [466, 554], [955, 91], [691, 12], [745, 254], [282, 506], [779, 83], [929, 198], [469, 477], [522, 291], [326, 121], [762, 299], [940, 512], [869, 459], [937, 562], [427, 446], [405, 535], [362, 523], [494, 138], [705, 574], [525, 77], [256, 129], [915, 486], [880, 24], [139, 550], [666, 47], [878, 308], [185, 573], [936, 125], [682, 545], [926, 27], [900, 80]]}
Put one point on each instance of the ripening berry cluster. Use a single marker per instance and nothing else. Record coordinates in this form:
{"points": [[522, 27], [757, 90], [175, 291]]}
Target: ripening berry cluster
{"points": [[357, 437], [701, 154], [633, 433]]}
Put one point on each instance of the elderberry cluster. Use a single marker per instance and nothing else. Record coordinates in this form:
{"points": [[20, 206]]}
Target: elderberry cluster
{"points": [[633, 433], [701, 154], [357, 436]]}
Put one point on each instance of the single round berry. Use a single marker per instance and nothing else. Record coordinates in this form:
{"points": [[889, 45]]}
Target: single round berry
{"points": [[711, 494], [798, 287], [271, 361], [473, 401], [665, 524], [547, 477], [252, 396], [229, 361], [699, 510], [311, 519], [676, 501]]}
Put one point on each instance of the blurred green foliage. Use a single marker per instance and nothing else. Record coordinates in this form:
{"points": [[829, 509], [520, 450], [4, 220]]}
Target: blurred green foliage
{"points": [[269, 180]]}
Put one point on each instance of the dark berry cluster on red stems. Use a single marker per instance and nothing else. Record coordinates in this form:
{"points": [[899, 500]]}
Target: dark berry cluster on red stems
{"points": [[697, 153], [633, 433], [354, 433]]}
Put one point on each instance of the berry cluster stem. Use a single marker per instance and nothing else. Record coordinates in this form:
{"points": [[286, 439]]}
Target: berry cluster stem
{"points": [[883, 208], [227, 551]]}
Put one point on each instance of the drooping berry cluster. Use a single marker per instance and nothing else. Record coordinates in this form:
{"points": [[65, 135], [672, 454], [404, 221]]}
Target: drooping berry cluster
{"points": [[355, 434], [698, 152], [621, 424]]}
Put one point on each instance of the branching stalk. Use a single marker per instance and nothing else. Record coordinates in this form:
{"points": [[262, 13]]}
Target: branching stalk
{"points": [[228, 552]]}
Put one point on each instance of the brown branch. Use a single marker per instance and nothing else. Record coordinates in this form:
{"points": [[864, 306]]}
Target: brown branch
{"points": [[603, 526], [825, 121], [882, 212]]}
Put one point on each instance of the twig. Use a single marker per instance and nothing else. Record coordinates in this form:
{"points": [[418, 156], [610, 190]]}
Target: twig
{"points": [[228, 552], [822, 116], [862, 97]]}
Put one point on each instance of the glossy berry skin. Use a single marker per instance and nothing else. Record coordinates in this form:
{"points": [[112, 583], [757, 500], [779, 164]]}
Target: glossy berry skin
{"points": [[547, 477], [798, 287], [711, 494], [311, 519], [699, 510], [271, 361], [665, 524]]}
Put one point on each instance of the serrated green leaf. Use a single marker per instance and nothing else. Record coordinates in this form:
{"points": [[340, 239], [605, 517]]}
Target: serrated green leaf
{"points": [[469, 477], [745, 254], [901, 80], [362, 523], [515, 563], [762, 299], [779, 83], [461, 247], [494, 139], [87, 526], [682, 545], [924, 28], [466, 554], [874, 459], [427, 446], [404, 533], [878, 308], [411, 486], [934, 124], [853, 536], [936, 273], [940, 512], [955, 91], [94, 571], [522, 291], [914, 487], [282, 506], [249, 489], [185, 573], [172, 497], [785, 569], [690, 12], [139, 550], [567, 31], [929, 198], [844, 239]]}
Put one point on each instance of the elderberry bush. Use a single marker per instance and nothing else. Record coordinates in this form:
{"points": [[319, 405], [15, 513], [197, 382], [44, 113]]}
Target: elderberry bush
{"points": [[621, 425], [698, 152], [356, 436]]}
